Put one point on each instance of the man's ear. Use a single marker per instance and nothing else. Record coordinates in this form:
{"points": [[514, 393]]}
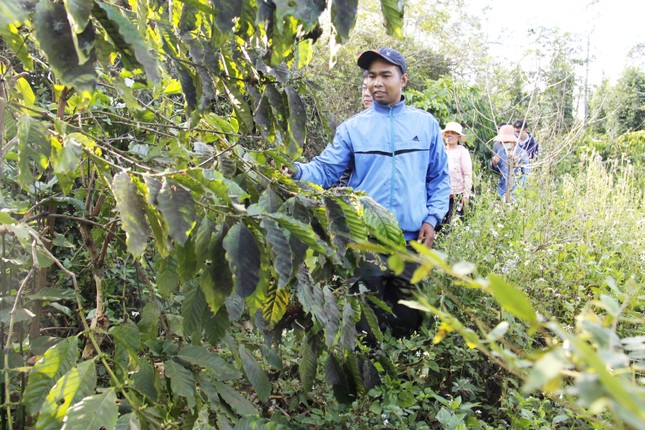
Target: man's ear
{"points": [[404, 79]]}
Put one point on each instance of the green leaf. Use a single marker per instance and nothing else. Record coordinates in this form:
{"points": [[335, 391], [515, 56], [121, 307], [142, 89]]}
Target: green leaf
{"points": [[149, 322], [11, 35], [348, 328], [227, 11], [200, 356], [126, 335], [93, 412], [199, 5], [187, 79], [302, 231], [193, 308], [6, 218], [338, 228], [255, 374], [354, 374], [544, 370], [57, 41], [240, 106], [130, 205], [337, 378], [11, 12], [275, 304], [182, 382], [393, 14], [202, 59], [234, 306], [357, 227], [343, 17], [53, 294], [167, 276], [235, 400], [372, 321], [34, 149], [269, 202], [157, 222], [332, 321], [127, 39], [77, 383], [18, 314], [70, 156], [264, 120], [307, 11], [310, 295], [297, 119], [78, 13], [464, 268], [216, 326], [278, 104], [225, 189], [281, 248], [27, 95], [243, 256], [203, 238], [498, 332], [56, 362], [512, 299], [307, 365], [188, 19], [381, 223], [147, 380], [83, 33], [128, 422], [247, 20], [217, 284], [178, 207]]}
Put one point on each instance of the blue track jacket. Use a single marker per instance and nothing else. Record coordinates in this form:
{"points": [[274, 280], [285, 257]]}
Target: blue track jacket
{"points": [[397, 156], [521, 168]]}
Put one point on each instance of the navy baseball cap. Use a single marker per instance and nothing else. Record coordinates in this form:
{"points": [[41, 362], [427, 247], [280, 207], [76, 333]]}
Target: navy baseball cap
{"points": [[388, 54]]}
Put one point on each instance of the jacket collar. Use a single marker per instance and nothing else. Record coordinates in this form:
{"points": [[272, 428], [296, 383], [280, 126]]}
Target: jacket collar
{"points": [[396, 109]]}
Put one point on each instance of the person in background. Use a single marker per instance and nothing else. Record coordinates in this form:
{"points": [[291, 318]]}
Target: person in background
{"points": [[512, 162], [460, 166], [365, 92], [496, 146], [525, 140]]}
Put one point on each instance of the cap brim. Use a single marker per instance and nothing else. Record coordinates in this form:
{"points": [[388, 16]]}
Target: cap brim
{"points": [[366, 58]]}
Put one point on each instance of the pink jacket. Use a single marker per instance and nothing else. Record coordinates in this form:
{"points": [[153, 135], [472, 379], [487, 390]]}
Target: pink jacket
{"points": [[461, 170]]}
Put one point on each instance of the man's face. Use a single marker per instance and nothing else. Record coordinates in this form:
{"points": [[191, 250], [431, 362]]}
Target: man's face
{"points": [[385, 82], [365, 95], [520, 132]]}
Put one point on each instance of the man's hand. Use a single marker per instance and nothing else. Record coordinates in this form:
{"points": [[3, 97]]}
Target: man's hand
{"points": [[495, 159], [426, 235], [286, 170]]}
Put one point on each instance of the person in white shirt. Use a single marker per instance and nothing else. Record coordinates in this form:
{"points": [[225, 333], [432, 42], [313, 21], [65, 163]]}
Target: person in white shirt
{"points": [[460, 166]]}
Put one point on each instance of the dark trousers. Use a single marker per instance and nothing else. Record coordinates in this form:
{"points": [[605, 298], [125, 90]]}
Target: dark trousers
{"points": [[389, 288], [455, 207]]}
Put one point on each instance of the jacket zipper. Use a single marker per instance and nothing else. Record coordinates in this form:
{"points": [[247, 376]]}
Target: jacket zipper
{"points": [[393, 152]]}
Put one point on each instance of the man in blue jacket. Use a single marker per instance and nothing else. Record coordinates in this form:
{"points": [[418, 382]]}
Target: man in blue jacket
{"points": [[395, 152], [526, 140]]}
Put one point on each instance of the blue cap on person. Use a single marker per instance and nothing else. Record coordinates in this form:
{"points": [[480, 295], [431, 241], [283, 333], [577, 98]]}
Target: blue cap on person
{"points": [[388, 54]]}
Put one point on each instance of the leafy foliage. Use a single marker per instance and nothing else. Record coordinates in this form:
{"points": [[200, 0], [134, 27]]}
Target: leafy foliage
{"points": [[157, 270]]}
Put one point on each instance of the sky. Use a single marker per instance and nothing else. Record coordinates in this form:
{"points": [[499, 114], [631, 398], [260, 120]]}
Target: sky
{"points": [[613, 26]]}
